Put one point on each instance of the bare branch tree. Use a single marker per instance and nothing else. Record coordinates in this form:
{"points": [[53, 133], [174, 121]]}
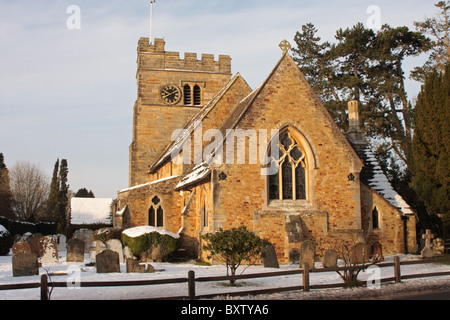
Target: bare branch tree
{"points": [[30, 187]]}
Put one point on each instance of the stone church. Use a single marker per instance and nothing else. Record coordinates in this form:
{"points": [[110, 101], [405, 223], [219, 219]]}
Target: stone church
{"points": [[210, 153]]}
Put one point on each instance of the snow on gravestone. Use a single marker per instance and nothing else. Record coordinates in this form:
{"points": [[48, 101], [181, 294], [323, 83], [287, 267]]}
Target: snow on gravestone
{"points": [[49, 249]]}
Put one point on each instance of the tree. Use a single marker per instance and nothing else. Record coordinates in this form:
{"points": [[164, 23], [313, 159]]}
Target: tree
{"points": [[63, 200], [30, 191], [367, 67], [51, 206], [6, 196], [235, 246], [439, 29], [84, 193], [431, 144]]}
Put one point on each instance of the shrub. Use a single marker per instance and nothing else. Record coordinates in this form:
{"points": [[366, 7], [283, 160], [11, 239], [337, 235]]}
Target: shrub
{"points": [[6, 241], [150, 242], [235, 246]]}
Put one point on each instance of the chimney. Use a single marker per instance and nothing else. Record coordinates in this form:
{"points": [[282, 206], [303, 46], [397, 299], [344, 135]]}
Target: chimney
{"points": [[354, 133]]}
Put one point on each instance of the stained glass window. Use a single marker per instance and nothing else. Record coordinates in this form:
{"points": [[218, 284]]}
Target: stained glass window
{"points": [[292, 173]]}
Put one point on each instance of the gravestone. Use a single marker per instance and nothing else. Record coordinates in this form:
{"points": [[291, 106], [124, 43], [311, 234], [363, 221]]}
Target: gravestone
{"points": [[86, 235], [48, 249], [34, 240], [270, 259], [107, 262], [61, 241], [96, 247], [116, 246], [25, 264], [307, 253], [330, 259], [360, 253], [75, 250], [133, 266], [438, 246], [377, 252], [427, 252], [21, 247], [127, 253]]}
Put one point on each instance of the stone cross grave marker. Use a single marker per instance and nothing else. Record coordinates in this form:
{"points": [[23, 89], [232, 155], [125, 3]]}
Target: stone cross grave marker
{"points": [[25, 264], [75, 250], [427, 252]]}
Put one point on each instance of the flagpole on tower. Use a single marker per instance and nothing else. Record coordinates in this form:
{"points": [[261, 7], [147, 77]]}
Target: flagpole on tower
{"points": [[151, 21]]}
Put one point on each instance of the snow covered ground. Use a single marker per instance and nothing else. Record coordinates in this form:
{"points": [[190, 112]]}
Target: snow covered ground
{"points": [[78, 271]]}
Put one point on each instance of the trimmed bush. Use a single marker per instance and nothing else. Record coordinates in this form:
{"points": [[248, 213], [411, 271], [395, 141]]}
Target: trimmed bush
{"points": [[150, 242], [6, 241]]}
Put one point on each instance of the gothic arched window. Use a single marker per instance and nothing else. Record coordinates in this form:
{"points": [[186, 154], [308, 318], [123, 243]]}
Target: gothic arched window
{"points": [[289, 183], [156, 214]]}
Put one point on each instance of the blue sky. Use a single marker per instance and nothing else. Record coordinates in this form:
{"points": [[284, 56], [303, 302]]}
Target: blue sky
{"points": [[70, 93]]}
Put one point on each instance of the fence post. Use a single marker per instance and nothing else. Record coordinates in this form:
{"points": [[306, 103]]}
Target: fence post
{"points": [[44, 287], [191, 285], [305, 277], [397, 273]]}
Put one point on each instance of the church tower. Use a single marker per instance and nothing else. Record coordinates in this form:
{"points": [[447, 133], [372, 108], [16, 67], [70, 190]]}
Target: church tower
{"points": [[170, 92]]}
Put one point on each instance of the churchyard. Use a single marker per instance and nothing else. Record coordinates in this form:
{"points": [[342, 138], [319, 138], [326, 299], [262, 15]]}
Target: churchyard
{"points": [[74, 262]]}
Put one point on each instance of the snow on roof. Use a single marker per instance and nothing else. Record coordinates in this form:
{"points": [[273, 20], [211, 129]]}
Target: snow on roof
{"points": [[149, 183], [198, 173], [381, 184], [91, 210], [139, 231]]}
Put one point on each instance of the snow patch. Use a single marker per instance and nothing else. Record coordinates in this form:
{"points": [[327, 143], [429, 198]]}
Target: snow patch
{"points": [[139, 231], [91, 210]]}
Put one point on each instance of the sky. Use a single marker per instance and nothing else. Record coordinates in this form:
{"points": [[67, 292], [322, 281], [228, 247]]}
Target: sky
{"points": [[67, 78]]}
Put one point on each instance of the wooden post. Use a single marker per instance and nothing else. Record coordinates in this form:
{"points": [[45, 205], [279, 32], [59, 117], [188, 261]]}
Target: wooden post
{"points": [[305, 277], [191, 285], [397, 273], [44, 287]]}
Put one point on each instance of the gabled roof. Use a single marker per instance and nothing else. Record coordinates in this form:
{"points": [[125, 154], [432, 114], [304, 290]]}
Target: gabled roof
{"points": [[90, 210], [177, 144], [373, 176]]}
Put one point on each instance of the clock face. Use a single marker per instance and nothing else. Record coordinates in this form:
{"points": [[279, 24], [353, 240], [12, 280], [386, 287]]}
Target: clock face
{"points": [[170, 94]]}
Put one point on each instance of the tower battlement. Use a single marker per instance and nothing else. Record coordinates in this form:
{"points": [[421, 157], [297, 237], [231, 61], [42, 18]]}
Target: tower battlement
{"points": [[154, 56]]}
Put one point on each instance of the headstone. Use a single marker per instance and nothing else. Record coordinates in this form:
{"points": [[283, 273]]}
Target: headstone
{"points": [[85, 235], [270, 259], [330, 259], [360, 253], [21, 247], [96, 247], [438, 246], [427, 253], [127, 253], [61, 241], [34, 243], [133, 266], [377, 252], [48, 249], [116, 246], [307, 253], [107, 262], [75, 250], [25, 264]]}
